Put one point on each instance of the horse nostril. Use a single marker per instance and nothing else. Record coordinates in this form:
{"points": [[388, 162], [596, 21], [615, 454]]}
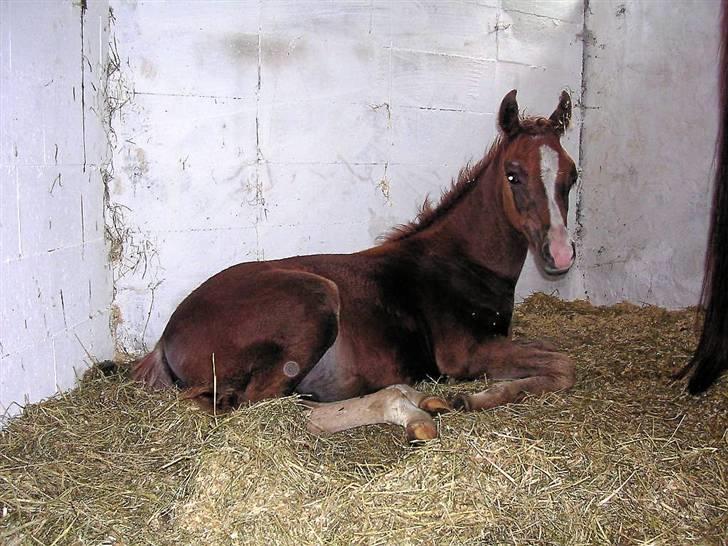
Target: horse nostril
{"points": [[546, 251]]}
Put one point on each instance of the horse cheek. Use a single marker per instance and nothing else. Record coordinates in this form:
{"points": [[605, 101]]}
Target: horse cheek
{"points": [[511, 210]]}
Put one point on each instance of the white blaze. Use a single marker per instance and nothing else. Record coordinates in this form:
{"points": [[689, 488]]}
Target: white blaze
{"points": [[559, 242], [549, 172]]}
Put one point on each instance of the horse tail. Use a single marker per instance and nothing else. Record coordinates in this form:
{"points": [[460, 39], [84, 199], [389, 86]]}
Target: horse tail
{"points": [[110, 368], [153, 370], [711, 356]]}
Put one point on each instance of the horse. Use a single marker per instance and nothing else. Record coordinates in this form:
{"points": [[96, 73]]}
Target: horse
{"points": [[351, 333], [710, 359]]}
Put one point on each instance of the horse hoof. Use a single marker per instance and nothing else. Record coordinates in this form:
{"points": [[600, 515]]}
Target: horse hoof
{"points": [[421, 431], [461, 402], [434, 405]]}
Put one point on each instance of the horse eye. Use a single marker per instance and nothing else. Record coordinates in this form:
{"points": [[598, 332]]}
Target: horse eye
{"points": [[512, 178]]}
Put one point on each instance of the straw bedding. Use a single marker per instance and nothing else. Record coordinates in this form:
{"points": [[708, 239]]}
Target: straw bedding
{"points": [[625, 458]]}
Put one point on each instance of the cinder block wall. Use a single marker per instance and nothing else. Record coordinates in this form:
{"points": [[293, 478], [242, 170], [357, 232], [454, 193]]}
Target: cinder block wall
{"points": [[55, 284], [649, 137], [264, 129]]}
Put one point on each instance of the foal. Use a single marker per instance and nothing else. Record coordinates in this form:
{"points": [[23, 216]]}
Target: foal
{"points": [[434, 299]]}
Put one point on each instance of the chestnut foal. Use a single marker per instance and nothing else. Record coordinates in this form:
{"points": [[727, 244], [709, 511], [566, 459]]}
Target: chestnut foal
{"points": [[434, 299]]}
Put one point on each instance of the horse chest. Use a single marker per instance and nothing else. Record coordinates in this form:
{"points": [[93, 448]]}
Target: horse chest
{"points": [[477, 306], [414, 340], [485, 323], [425, 301]]}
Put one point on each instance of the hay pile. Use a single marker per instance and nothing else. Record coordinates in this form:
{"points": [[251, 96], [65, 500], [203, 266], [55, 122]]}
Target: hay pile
{"points": [[626, 457]]}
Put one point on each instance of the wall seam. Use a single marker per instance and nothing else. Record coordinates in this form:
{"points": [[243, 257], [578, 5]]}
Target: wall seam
{"points": [[83, 85], [578, 224], [259, 199]]}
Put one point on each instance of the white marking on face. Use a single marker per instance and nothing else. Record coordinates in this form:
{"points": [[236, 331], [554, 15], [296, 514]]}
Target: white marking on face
{"points": [[549, 172], [560, 246]]}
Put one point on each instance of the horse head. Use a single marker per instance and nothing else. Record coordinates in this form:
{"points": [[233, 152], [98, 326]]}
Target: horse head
{"points": [[536, 175]]}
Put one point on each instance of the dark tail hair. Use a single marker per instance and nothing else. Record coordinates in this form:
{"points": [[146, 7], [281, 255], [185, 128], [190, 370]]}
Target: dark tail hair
{"points": [[711, 357]]}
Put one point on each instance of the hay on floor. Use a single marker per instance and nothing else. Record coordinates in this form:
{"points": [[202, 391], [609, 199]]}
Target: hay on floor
{"points": [[626, 457]]}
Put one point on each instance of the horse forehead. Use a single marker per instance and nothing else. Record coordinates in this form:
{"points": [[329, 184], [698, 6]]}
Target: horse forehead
{"points": [[529, 149], [552, 154], [548, 162]]}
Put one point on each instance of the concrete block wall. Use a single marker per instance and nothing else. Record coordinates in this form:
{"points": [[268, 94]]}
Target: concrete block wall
{"points": [[649, 137], [55, 284], [264, 129]]}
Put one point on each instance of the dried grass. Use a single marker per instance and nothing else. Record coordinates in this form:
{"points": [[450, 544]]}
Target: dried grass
{"points": [[624, 458]]}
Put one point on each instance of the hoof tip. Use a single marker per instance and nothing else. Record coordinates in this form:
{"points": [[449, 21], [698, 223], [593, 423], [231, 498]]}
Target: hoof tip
{"points": [[461, 402], [420, 431], [435, 405]]}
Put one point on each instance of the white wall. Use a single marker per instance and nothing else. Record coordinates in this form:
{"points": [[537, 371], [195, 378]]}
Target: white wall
{"points": [[55, 288], [264, 129], [649, 135]]}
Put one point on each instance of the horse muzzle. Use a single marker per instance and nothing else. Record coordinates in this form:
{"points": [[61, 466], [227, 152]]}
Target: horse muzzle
{"points": [[558, 257]]}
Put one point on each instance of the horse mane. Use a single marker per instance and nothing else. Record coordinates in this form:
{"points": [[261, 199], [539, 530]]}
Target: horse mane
{"points": [[462, 185], [459, 188]]}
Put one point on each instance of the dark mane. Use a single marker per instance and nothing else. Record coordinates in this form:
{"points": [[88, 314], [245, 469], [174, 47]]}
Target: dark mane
{"points": [[461, 186]]}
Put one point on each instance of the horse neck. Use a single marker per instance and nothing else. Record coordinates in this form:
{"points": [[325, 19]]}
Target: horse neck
{"points": [[478, 230]]}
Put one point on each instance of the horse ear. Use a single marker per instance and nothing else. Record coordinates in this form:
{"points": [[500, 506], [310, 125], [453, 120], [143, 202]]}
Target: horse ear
{"points": [[562, 115], [508, 115]]}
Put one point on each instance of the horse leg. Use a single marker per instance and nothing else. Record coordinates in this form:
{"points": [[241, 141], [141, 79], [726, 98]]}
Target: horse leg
{"points": [[397, 405], [532, 368], [269, 371], [537, 344], [260, 348]]}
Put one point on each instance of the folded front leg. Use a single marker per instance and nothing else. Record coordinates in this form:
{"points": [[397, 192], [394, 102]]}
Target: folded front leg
{"points": [[533, 368]]}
